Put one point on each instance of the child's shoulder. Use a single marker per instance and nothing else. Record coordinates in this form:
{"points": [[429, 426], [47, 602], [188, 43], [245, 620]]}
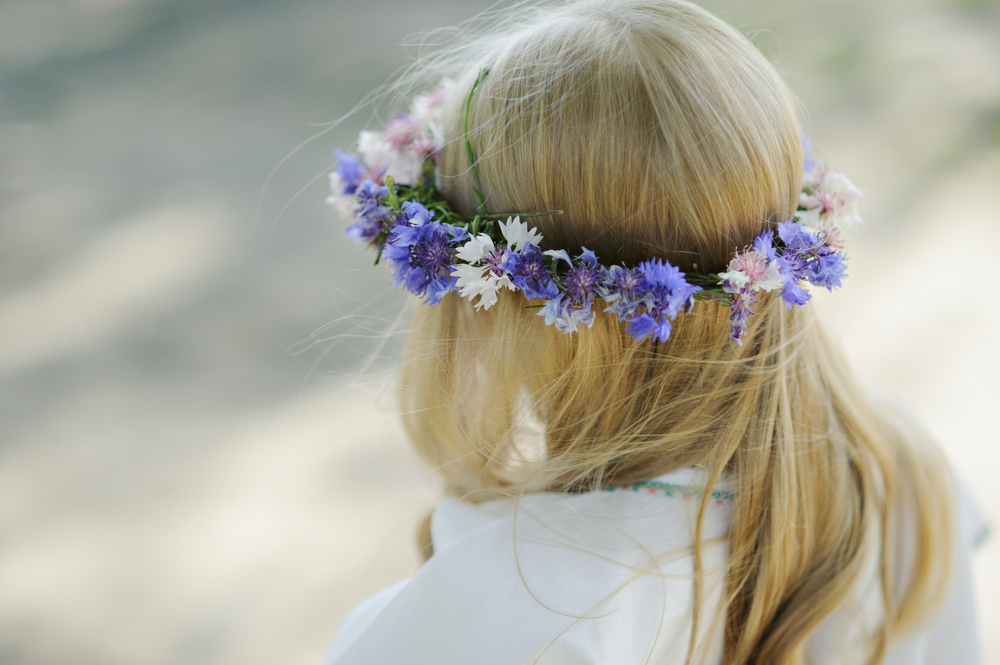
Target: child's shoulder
{"points": [[591, 577]]}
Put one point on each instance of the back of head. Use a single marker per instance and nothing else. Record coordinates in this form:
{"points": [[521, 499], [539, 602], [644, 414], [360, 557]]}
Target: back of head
{"points": [[661, 132], [659, 129]]}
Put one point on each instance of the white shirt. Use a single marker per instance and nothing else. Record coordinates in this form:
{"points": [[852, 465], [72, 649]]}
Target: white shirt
{"points": [[602, 577]]}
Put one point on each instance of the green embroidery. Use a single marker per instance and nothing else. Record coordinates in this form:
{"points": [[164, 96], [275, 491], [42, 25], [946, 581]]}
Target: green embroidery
{"points": [[669, 490]]}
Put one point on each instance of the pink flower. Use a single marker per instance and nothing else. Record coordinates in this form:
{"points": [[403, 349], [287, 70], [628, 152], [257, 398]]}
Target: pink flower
{"points": [[403, 130], [381, 156], [833, 198], [831, 234], [428, 107], [753, 270]]}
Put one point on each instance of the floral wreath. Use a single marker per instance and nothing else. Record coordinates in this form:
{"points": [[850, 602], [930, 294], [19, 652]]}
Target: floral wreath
{"points": [[398, 211]]}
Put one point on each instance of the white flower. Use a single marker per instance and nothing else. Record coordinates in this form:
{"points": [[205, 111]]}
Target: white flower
{"points": [[346, 204], [482, 275], [435, 135], [375, 149], [428, 107], [518, 234], [814, 173], [752, 268], [809, 217], [835, 199], [406, 169], [476, 248], [844, 196], [378, 153]]}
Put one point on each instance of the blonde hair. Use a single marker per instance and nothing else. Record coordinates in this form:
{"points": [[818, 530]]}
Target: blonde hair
{"points": [[662, 132]]}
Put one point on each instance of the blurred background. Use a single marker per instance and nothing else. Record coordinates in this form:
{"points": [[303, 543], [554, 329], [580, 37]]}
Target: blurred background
{"points": [[198, 462]]}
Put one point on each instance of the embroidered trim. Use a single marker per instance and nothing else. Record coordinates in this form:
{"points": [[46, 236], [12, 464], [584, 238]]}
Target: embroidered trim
{"points": [[981, 536], [669, 490]]}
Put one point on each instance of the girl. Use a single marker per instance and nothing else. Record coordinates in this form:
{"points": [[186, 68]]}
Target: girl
{"points": [[652, 452]]}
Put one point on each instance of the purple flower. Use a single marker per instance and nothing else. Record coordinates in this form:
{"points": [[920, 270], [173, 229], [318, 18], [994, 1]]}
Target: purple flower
{"points": [[806, 143], [666, 292], [627, 282], [625, 292], [422, 253], [809, 162], [807, 256], [792, 268], [827, 270], [349, 170], [742, 304], [417, 213], [764, 243], [801, 248], [530, 274], [370, 195], [583, 280], [796, 237], [371, 215], [565, 316], [645, 325]]}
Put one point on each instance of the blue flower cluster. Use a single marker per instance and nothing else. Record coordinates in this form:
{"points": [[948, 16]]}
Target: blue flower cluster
{"points": [[807, 256], [424, 252]]}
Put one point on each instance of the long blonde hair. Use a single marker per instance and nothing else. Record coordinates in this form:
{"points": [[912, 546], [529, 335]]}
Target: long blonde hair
{"points": [[662, 132]]}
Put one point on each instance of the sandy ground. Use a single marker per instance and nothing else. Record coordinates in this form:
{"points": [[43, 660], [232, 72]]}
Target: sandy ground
{"points": [[191, 471]]}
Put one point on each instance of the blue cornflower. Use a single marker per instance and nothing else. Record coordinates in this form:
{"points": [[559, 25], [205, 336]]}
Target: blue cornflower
{"points": [[793, 267], [667, 287], [370, 195], [624, 292], [742, 303], [665, 293], [584, 280], [422, 253], [801, 248], [764, 243], [644, 325], [371, 215], [827, 270], [530, 274], [565, 316], [796, 237], [417, 213], [349, 170]]}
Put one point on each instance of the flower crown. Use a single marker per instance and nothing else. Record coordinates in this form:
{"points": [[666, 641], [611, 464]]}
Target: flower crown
{"points": [[398, 211]]}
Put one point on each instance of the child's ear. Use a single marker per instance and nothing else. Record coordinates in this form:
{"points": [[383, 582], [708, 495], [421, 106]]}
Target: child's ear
{"points": [[424, 545]]}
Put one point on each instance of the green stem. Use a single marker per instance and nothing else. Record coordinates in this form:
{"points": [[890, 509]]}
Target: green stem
{"points": [[547, 213], [468, 144], [392, 199]]}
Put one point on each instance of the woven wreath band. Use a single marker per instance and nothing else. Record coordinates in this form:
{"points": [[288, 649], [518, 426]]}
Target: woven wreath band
{"points": [[387, 186]]}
